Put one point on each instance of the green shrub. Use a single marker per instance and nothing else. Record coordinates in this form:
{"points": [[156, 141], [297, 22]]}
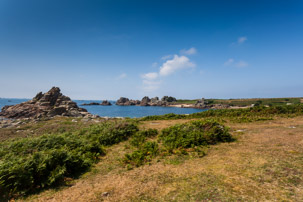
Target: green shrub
{"points": [[194, 133], [29, 164], [139, 138], [34, 163], [110, 133], [144, 154]]}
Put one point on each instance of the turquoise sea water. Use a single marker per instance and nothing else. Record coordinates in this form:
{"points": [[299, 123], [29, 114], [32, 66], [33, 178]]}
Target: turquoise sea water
{"points": [[115, 110]]}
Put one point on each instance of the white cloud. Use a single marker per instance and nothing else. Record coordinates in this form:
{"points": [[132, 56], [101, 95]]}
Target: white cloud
{"points": [[190, 51], [241, 64], [122, 76], [151, 81], [242, 39], [150, 76], [229, 62], [149, 85], [177, 63]]}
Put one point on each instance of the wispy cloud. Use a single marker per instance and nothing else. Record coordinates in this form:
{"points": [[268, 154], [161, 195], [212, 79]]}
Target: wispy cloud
{"points": [[190, 51], [229, 62], [122, 76], [232, 63], [242, 39], [239, 41], [150, 76], [151, 85], [177, 63], [241, 64]]}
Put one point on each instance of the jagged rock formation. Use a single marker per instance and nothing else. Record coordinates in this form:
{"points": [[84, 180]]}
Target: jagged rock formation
{"points": [[48, 104]]}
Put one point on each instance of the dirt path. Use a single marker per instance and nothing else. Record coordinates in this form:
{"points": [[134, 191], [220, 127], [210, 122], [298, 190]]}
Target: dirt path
{"points": [[264, 164]]}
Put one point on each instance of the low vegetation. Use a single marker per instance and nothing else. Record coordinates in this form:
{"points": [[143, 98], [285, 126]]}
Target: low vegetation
{"points": [[237, 115], [30, 164], [175, 140], [194, 133], [247, 102]]}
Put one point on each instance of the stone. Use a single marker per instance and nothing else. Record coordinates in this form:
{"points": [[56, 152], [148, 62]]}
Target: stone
{"points": [[154, 100], [106, 103], [92, 103], [200, 104], [122, 101], [145, 101], [169, 99], [105, 194]]}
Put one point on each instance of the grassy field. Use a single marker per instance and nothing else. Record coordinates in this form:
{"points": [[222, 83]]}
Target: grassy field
{"points": [[263, 101], [247, 102], [186, 101], [264, 163]]}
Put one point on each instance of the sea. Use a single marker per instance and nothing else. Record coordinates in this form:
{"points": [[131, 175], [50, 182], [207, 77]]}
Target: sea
{"points": [[115, 110]]}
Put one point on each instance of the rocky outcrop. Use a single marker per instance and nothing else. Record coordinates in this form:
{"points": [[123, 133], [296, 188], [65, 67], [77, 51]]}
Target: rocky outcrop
{"points": [[169, 99], [154, 100], [49, 104], [122, 101], [134, 102], [92, 103], [105, 103], [200, 104], [126, 102], [145, 101]]}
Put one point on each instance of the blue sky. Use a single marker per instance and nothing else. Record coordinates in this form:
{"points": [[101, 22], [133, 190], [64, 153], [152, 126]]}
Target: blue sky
{"points": [[104, 49]]}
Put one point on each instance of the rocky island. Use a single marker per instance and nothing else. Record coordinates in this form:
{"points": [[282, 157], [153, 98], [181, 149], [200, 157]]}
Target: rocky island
{"points": [[146, 101], [169, 101], [103, 103]]}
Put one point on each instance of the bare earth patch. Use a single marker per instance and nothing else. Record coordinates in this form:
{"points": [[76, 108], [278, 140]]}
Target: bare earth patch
{"points": [[264, 164]]}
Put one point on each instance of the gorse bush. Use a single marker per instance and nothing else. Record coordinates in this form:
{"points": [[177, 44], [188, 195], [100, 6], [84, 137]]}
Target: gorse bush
{"points": [[29, 164], [33, 163], [145, 153], [194, 133], [140, 137], [110, 133], [145, 150], [176, 139]]}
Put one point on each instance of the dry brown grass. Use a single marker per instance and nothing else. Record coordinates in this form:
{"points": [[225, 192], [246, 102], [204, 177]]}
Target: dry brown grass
{"points": [[55, 125], [264, 164]]}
